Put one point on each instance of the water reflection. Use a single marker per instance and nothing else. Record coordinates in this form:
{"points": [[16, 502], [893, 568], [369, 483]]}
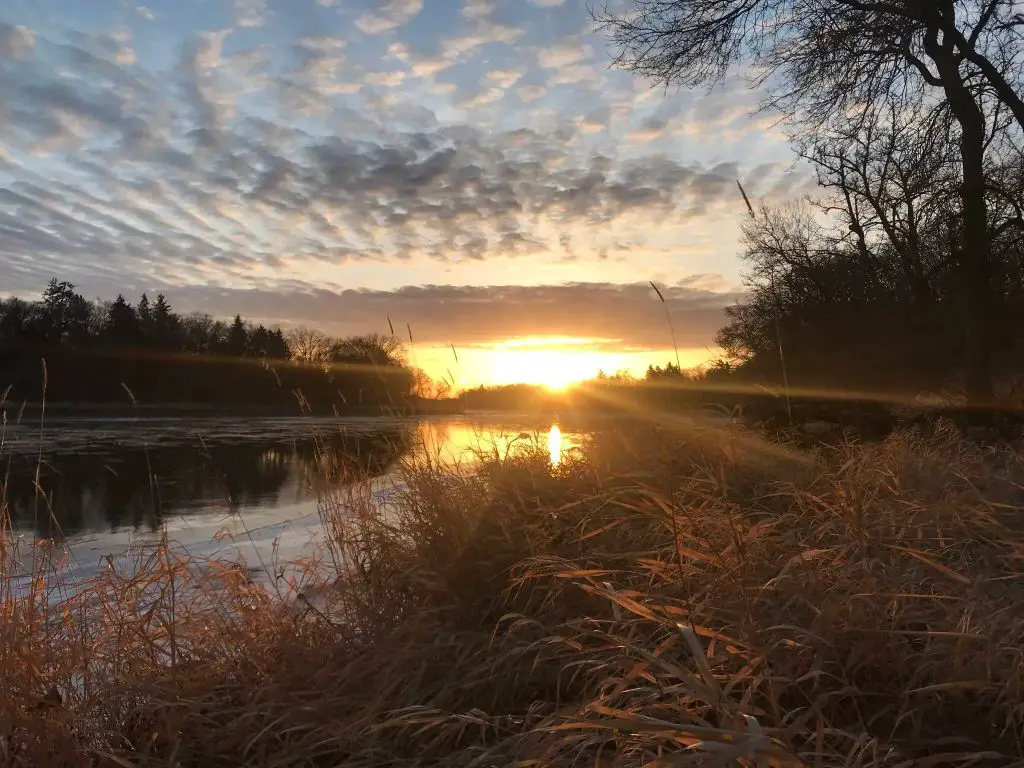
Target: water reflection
{"points": [[99, 476], [453, 442], [555, 445], [116, 484]]}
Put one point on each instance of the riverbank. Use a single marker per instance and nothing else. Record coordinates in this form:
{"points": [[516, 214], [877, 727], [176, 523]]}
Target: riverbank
{"points": [[664, 594]]}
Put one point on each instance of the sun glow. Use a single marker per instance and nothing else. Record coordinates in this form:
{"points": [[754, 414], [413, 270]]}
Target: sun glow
{"points": [[554, 362], [555, 369]]}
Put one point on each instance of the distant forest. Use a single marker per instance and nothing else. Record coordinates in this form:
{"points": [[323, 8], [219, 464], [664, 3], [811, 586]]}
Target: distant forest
{"points": [[116, 352]]}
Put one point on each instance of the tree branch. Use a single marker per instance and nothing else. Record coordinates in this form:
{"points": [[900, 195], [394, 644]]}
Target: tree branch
{"points": [[1003, 89]]}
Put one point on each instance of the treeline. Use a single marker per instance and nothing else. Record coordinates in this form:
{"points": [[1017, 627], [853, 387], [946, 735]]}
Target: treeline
{"points": [[907, 271], [114, 352]]}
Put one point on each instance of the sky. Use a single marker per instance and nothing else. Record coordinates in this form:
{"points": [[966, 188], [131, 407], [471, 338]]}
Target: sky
{"points": [[472, 170]]}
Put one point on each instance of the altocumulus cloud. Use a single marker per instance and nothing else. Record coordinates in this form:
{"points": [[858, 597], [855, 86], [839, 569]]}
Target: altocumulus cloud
{"points": [[252, 158]]}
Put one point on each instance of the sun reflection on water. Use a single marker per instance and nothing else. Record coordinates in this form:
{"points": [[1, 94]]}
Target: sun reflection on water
{"points": [[555, 445], [464, 443]]}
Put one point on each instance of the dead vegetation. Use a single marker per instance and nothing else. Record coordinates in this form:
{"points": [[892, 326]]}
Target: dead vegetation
{"points": [[660, 598]]}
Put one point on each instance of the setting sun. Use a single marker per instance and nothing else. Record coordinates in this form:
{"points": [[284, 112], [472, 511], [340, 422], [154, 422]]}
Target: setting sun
{"points": [[554, 362], [555, 369]]}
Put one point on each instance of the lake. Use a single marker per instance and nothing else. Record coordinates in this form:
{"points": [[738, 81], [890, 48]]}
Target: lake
{"points": [[220, 488]]}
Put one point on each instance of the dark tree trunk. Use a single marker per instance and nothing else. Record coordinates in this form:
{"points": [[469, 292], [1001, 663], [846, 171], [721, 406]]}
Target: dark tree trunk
{"points": [[973, 255], [975, 263]]}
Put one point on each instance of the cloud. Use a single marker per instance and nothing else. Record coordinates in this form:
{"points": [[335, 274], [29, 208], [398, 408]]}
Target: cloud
{"points": [[504, 78], [650, 129], [477, 9], [576, 74], [390, 15], [563, 55], [16, 42], [625, 315], [211, 104], [207, 51], [546, 3], [250, 13], [531, 92], [479, 29], [481, 97], [597, 120], [429, 67], [290, 156], [201, 185], [388, 79]]}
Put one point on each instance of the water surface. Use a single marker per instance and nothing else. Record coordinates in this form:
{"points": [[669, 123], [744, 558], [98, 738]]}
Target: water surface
{"points": [[100, 487]]}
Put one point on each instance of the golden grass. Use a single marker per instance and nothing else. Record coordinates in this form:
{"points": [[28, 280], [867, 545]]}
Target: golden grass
{"points": [[703, 598]]}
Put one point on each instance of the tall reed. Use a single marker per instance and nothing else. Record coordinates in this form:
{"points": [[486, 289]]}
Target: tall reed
{"points": [[661, 597]]}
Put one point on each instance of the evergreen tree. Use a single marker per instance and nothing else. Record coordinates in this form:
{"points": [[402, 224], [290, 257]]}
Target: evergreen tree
{"points": [[258, 341], [164, 324], [62, 327], [237, 339], [122, 324], [145, 315], [277, 346]]}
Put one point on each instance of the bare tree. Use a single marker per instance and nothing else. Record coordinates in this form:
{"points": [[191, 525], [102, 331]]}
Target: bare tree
{"points": [[370, 349], [427, 388], [307, 345], [840, 323], [16, 319], [893, 179], [825, 59], [200, 333], [99, 314]]}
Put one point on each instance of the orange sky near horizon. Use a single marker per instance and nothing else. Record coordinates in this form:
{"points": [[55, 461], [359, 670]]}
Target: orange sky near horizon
{"points": [[553, 362]]}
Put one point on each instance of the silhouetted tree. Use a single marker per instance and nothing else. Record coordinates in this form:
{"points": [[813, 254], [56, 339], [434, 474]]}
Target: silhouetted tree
{"points": [[164, 325], [237, 339], [200, 333], [97, 320], [16, 320], [65, 312], [258, 341], [93, 353], [371, 349], [277, 347], [308, 346], [145, 315], [657, 373], [425, 387], [855, 312], [122, 324], [828, 60]]}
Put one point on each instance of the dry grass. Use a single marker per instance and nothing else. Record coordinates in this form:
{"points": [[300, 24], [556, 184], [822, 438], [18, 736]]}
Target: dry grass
{"points": [[702, 598]]}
